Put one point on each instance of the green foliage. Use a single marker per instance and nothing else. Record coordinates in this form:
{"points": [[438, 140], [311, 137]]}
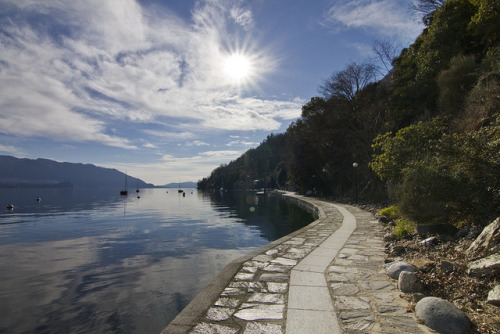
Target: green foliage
{"points": [[403, 228], [394, 153], [430, 128], [455, 83], [391, 212]]}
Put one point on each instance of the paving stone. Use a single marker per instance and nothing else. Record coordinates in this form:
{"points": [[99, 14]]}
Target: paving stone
{"points": [[285, 261], [342, 262], [342, 269], [386, 297], [259, 328], [244, 276], [249, 269], [263, 258], [232, 292], [267, 298], [227, 302], [274, 277], [207, 328], [391, 309], [344, 289], [351, 303], [277, 287], [219, 313], [272, 252], [256, 287], [333, 277], [252, 312], [276, 268], [375, 285]]}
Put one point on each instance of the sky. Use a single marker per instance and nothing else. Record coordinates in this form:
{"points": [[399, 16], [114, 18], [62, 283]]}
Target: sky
{"points": [[168, 90]]}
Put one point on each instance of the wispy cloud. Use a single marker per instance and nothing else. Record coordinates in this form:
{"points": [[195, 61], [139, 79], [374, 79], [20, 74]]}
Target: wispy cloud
{"points": [[11, 150], [92, 64], [386, 17]]}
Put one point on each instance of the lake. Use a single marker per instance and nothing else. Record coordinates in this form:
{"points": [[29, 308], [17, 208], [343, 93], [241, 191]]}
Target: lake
{"points": [[87, 261]]}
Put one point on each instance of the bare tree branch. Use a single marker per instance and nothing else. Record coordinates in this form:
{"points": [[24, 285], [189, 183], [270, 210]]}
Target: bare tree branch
{"points": [[346, 83]]}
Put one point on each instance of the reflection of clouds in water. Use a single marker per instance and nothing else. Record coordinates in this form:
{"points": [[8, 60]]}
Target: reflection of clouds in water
{"points": [[41, 280], [34, 275]]}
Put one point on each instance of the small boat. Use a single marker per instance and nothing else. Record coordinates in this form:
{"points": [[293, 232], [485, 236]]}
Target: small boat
{"points": [[10, 206], [137, 187], [125, 191], [38, 199]]}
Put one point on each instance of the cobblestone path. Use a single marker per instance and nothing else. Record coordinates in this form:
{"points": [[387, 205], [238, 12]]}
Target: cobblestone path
{"points": [[329, 278]]}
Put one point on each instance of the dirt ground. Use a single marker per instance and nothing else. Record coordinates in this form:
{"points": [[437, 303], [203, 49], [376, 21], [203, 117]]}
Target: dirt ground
{"points": [[442, 268]]}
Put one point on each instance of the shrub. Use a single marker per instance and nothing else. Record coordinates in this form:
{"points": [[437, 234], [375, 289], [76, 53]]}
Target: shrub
{"points": [[404, 227], [391, 212]]}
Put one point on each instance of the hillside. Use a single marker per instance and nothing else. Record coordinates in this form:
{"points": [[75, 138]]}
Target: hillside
{"points": [[15, 172], [425, 138]]}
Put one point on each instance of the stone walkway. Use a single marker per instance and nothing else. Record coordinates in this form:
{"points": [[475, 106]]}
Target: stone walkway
{"points": [[325, 278]]}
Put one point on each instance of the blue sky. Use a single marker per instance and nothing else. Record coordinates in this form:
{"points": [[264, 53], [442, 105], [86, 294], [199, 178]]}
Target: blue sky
{"points": [[168, 90]]}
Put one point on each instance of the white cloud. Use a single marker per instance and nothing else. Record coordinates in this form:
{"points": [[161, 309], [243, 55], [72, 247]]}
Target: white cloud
{"points": [[243, 17], [116, 61], [11, 150], [387, 17]]}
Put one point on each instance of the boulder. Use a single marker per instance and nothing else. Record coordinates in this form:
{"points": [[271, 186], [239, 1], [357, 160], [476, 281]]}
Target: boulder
{"points": [[408, 282], [488, 266], [487, 243], [396, 268], [442, 316], [494, 296]]}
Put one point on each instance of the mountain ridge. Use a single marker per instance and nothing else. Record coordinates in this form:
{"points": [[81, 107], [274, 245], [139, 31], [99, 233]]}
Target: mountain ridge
{"points": [[41, 172]]}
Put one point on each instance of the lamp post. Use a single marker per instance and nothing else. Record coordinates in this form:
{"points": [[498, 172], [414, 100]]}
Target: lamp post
{"points": [[355, 166]]}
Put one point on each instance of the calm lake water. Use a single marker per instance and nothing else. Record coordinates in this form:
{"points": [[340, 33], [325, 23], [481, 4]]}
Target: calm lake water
{"points": [[87, 261]]}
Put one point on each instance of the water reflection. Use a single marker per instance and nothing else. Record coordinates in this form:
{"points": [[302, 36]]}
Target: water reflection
{"points": [[87, 261]]}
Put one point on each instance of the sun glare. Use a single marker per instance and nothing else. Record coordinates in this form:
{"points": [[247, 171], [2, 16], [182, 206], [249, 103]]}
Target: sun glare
{"points": [[237, 67]]}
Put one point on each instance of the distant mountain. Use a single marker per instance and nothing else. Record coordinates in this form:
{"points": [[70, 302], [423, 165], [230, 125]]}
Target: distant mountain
{"points": [[15, 172], [180, 185]]}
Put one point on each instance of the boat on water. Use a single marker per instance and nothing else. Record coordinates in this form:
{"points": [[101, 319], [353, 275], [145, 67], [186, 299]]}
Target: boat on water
{"points": [[124, 192]]}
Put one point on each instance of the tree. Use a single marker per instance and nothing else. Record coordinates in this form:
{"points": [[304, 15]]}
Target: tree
{"points": [[386, 51], [346, 83], [427, 8]]}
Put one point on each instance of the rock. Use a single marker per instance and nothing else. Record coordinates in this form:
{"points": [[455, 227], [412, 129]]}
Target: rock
{"points": [[428, 241], [446, 266], [408, 282], [494, 296], [390, 237], [488, 266], [416, 297], [398, 250], [487, 243], [442, 316], [474, 232], [396, 268]]}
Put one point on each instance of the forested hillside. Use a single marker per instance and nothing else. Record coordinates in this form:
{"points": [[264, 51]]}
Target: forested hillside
{"points": [[425, 137]]}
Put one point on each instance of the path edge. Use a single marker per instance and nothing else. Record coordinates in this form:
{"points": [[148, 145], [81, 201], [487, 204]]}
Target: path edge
{"points": [[195, 310]]}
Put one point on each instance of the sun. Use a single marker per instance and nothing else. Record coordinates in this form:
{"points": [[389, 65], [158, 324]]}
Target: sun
{"points": [[237, 67]]}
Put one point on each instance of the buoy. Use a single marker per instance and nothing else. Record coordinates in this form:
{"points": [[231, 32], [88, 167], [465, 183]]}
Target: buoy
{"points": [[10, 206]]}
